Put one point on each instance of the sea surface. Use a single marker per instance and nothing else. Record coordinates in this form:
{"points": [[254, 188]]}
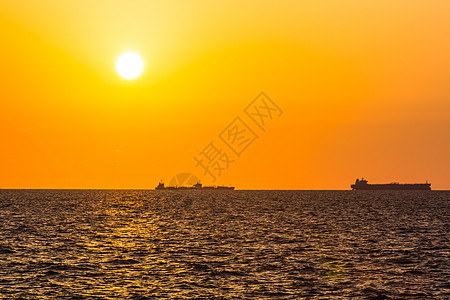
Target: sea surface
{"points": [[130, 244]]}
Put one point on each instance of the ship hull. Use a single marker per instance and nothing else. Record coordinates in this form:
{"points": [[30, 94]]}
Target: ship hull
{"points": [[201, 189], [205, 188], [392, 187]]}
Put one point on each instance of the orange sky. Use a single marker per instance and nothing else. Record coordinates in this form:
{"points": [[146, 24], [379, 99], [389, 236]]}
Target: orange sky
{"points": [[363, 86]]}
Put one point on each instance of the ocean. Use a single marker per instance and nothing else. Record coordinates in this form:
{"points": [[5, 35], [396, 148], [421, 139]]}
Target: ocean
{"points": [[143, 244]]}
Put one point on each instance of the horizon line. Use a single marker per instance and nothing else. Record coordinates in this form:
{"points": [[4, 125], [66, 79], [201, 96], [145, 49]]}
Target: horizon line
{"points": [[152, 189]]}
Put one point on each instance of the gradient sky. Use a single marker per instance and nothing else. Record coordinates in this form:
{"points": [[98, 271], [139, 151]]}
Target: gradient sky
{"points": [[363, 85]]}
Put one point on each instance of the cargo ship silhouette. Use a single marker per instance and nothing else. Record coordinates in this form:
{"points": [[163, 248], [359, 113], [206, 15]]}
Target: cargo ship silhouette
{"points": [[197, 186], [363, 185]]}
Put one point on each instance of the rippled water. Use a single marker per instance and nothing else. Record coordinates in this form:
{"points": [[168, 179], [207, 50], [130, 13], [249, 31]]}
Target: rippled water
{"points": [[84, 244]]}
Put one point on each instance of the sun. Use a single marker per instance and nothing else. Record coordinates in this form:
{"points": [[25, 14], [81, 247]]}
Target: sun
{"points": [[129, 65]]}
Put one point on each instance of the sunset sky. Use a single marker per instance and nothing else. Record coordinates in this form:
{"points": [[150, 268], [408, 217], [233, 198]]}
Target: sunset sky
{"points": [[364, 89]]}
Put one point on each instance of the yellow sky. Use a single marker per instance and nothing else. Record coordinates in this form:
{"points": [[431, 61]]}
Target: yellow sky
{"points": [[363, 86]]}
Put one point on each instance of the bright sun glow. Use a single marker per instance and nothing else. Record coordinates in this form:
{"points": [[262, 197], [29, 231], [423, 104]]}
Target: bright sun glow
{"points": [[129, 65]]}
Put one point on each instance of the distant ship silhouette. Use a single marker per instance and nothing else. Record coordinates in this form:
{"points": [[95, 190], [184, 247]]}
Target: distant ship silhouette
{"points": [[197, 186], [363, 185]]}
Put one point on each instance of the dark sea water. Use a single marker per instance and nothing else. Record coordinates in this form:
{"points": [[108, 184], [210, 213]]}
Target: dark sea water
{"points": [[86, 244]]}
